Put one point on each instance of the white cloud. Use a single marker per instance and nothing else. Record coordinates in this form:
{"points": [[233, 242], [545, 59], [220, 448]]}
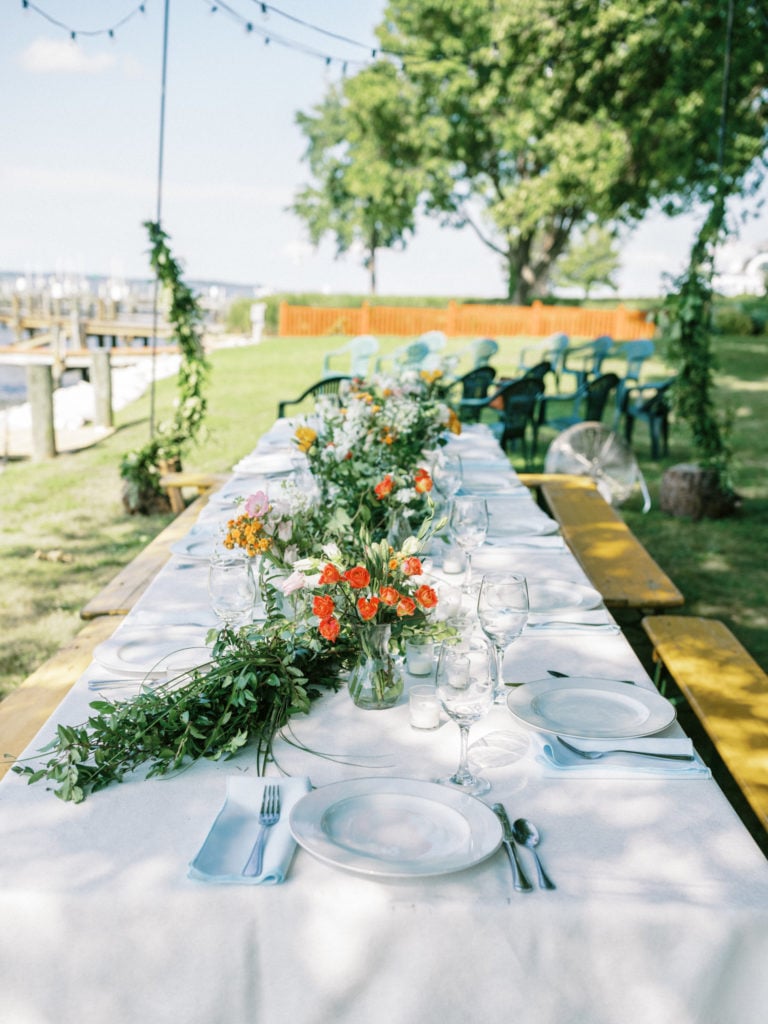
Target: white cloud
{"points": [[44, 56]]}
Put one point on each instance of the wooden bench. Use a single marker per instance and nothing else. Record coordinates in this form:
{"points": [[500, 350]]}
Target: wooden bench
{"points": [[609, 553], [122, 592], [727, 691], [174, 483], [26, 709]]}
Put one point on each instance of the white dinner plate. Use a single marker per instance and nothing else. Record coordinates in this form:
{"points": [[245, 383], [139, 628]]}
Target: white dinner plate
{"points": [[395, 828], [548, 596], [153, 650], [198, 548], [585, 708]]}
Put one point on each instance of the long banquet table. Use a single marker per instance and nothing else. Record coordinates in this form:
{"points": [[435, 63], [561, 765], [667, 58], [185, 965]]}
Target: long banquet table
{"points": [[660, 915]]}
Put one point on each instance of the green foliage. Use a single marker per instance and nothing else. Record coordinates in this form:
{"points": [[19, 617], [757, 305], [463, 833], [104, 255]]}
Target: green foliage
{"points": [[141, 469], [527, 119], [591, 260], [359, 196], [253, 684], [732, 319], [688, 315]]}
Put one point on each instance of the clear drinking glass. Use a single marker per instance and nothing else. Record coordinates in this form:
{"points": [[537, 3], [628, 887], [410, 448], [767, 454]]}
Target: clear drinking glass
{"points": [[447, 474], [469, 525], [502, 610], [465, 689], [232, 588]]}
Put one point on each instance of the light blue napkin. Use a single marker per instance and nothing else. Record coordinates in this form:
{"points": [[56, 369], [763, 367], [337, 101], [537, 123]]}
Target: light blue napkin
{"points": [[228, 845], [558, 760]]}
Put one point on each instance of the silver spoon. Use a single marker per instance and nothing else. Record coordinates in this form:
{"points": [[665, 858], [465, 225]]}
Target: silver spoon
{"points": [[527, 834]]}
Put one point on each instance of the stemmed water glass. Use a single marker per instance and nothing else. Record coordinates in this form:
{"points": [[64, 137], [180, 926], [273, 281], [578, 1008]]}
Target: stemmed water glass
{"points": [[447, 474], [469, 525], [502, 609], [465, 690], [232, 587]]}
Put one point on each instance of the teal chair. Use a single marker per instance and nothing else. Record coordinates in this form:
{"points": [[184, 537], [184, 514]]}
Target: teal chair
{"points": [[359, 349]]}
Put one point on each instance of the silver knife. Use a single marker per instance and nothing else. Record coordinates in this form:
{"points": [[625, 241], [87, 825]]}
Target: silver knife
{"points": [[521, 882]]}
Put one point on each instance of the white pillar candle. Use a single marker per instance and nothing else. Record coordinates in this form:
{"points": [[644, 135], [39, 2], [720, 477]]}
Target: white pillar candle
{"points": [[419, 656]]}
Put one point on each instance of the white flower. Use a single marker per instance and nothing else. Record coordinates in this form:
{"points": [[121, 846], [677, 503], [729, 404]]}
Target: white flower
{"points": [[296, 581]]}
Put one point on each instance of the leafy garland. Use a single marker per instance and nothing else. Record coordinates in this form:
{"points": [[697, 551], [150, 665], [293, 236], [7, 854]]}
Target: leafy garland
{"points": [[141, 468], [250, 688], [688, 314]]}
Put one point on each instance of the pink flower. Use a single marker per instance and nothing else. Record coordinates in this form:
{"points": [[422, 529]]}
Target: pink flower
{"points": [[257, 505]]}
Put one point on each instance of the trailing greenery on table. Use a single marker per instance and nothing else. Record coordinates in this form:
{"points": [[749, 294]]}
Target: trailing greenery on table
{"points": [[258, 677]]}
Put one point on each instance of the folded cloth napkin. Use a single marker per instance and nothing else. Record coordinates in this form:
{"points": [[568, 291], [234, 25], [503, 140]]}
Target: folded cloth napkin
{"points": [[228, 845], [556, 759]]}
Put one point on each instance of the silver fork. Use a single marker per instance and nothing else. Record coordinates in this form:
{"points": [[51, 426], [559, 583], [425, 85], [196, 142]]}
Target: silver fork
{"points": [[269, 815], [594, 755]]}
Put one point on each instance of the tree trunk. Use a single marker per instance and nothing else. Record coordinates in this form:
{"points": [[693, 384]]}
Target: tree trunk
{"points": [[696, 493]]}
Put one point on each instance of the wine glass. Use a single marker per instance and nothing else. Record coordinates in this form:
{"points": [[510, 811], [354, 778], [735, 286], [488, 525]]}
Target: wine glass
{"points": [[232, 587], [465, 690], [469, 525], [447, 474], [502, 609]]}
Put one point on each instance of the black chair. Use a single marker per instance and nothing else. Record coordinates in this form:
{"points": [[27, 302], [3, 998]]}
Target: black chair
{"points": [[652, 403], [474, 387], [515, 402], [587, 403], [327, 386], [539, 371]]}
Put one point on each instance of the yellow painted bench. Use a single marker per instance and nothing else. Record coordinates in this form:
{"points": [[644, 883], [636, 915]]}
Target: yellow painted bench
{"points": [[615, 561], [727, 691], [25, 710], [122, 592], [174, 483]]}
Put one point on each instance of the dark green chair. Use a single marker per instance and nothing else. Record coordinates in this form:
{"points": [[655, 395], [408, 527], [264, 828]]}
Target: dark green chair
{"points": [[327, 386]]}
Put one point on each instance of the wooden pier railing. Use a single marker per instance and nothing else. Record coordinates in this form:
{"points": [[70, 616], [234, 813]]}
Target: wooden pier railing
{"points": [[459, 320]]}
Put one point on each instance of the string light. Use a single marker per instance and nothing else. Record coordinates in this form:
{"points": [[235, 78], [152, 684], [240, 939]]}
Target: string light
{"points": [[110, 30], [403, 58]]}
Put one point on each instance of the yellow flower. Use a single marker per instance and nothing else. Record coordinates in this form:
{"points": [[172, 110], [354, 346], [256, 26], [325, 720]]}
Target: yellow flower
{"points": [[306, 437], [430, 376], [454, 423]]}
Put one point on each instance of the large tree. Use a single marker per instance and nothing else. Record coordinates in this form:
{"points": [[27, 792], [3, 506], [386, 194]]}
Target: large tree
{"points": [[361, 195], [526, 119]]}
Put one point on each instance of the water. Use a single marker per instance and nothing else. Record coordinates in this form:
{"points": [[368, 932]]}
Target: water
{"points": [[13, 379]]}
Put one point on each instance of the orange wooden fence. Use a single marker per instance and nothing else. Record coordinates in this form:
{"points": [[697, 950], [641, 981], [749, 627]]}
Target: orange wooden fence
{"points": [[459, 320]]}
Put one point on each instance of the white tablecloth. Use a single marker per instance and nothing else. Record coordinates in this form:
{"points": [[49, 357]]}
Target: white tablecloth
{"points": [[660, 915]]}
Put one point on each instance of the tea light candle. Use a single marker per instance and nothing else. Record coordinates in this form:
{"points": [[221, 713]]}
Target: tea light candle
{"points": [[424, 707], [453, 560], [419, 655]]}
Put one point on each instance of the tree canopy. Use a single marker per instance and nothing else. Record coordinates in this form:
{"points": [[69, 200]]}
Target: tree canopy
{"points": [[527, 119]]}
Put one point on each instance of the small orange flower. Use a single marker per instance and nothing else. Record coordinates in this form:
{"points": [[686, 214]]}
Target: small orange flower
{"points": [[367, 607], [422, 481], [329, 628], [323, 607], [389, 596], [454, 423], [384, 487], [426, 597], [330, 574], [405, 606], [357, 577], [412, 566]]}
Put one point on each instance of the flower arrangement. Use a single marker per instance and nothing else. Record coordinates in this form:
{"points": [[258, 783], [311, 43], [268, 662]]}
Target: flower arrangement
{"points": [[354, 596]]}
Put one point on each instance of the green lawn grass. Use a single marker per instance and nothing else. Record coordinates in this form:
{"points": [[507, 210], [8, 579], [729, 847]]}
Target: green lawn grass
{"points": [[70, 508]]}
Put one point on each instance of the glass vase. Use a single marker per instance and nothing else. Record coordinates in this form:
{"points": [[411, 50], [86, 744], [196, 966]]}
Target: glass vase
{"points": [[376, 680]]}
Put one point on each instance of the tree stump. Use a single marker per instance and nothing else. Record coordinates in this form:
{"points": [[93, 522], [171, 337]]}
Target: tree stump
{"points": [[690, 491]]}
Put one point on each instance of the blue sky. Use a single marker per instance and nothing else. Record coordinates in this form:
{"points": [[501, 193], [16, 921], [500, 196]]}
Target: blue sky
{"points": [[78, 162]]}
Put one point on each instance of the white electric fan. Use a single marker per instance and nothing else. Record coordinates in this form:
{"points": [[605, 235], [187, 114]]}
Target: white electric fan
{"points": [[591, 449]]}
